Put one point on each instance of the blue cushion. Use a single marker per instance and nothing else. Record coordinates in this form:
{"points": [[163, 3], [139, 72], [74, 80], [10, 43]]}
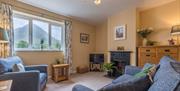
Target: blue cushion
{"points": [[42, 77], [7, 64], [122, 78], [166, 78], [176, 66], [81, 88], [133, 84]]}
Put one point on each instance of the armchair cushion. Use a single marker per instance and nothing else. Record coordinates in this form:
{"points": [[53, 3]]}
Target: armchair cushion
{"points": [[41, 68], [42, 77], [18, 68], [7, 64]]}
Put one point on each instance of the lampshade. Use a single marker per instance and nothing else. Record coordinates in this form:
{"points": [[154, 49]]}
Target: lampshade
{"points": [[4, 35], [175, 30]]}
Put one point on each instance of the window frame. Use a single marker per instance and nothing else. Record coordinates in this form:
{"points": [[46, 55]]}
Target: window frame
{"points": [[50, 23]]}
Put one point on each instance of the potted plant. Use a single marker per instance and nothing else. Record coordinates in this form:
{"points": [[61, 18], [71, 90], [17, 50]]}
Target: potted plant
{"points": [[108, 67], [144, 32]]}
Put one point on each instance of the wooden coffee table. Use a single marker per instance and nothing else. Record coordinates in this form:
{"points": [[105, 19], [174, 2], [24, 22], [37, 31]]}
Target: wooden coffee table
{"points": [[60, 72], [5, 85]]}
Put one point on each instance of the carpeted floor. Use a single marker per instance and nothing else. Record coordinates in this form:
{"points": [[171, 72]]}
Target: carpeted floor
{"points": [[94, 80]]}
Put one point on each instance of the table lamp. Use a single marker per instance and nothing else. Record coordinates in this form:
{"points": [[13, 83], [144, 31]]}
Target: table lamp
{"points": [[4, 35], [176, 31]]}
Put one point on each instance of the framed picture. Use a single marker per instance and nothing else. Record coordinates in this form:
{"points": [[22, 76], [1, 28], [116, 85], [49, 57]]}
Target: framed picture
{"points": [[120, 32], [84, 38]]}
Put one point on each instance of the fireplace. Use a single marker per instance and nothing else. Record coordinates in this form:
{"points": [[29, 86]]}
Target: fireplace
{"points": [[120, 59]]}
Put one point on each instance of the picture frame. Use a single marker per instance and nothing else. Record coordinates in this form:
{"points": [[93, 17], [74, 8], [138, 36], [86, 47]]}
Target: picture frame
{"points": [[84, 38], [120, 32]]}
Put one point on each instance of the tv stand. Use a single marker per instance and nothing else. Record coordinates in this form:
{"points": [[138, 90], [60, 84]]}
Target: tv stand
{"points": [[97, 67]]}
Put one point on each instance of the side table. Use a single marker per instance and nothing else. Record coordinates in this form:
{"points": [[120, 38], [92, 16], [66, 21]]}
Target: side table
{"points": [[60, 72], [5, 85]]}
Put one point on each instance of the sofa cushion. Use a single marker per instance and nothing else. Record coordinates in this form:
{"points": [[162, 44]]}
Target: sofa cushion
{"points": [[122, 78], [166, 78], [176, 66], [133, 84], [7, 64], [42, 77], [18, 68]]}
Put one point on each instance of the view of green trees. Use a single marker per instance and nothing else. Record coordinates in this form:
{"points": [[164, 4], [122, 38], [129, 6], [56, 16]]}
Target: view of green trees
{"points": [[22, 44]]}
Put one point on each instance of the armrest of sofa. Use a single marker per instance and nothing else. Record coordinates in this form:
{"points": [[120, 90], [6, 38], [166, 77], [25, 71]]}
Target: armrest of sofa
{"points": [[132, 70], [23, 81], [81, 88], [41, 68]]}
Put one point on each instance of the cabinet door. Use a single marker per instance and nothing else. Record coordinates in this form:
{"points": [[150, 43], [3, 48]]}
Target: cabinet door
{"points": [[173, 55], [147, 58], [167, 50], [147, 50]]}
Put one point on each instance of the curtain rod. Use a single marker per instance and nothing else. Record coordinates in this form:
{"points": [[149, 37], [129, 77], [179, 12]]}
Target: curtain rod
{"points": [[41, 14]]}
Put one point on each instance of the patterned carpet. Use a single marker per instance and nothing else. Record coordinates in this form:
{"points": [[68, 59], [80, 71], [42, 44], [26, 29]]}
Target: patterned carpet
{"points": [[94, 80]]}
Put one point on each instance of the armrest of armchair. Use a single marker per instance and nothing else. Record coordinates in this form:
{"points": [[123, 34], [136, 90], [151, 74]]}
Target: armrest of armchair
{"points": [[81, 88], [132, 70], [23, 81], [41, 68]]}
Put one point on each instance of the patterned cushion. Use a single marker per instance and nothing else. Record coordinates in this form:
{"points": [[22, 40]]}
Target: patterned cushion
{"points": [[133, 84], [18, 68], [166, 78]]}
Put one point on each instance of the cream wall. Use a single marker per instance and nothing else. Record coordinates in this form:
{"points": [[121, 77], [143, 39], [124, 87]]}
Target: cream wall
{"points": [[161, 18], [80, 51], [101, 37], [128, 17]]}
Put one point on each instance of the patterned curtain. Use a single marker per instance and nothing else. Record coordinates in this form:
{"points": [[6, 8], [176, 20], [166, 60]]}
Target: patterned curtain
{"points": [[6, 22], [68, 46]]}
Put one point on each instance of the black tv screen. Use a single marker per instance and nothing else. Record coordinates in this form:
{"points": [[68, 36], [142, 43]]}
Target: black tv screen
{"points": [[97, 58]]}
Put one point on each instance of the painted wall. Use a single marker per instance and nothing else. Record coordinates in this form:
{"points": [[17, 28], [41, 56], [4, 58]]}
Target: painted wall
{"points": [[161, 18], [101, 37], [128, 17], [80, 51]]}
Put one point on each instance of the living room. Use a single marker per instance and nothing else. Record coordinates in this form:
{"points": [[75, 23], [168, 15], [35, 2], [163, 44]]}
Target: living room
{"points": [[63, 35]]}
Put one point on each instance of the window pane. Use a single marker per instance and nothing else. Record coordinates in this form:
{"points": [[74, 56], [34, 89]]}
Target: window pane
{"points": [[40, 35], [56, 37], [21, 33]]}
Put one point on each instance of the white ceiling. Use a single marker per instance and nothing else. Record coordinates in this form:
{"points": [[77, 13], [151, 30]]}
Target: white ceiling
{"points": [[87, 11]]}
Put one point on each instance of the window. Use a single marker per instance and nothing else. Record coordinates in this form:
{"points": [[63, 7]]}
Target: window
{"points": [[40, 35], [21, 33], [36, 33]]}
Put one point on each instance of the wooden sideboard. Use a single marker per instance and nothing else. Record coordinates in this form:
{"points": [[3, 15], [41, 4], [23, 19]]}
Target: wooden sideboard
{"points": [[153, 54]]}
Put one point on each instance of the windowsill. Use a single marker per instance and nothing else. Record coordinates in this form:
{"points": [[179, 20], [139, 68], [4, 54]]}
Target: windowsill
{"points": [[26, 50]]}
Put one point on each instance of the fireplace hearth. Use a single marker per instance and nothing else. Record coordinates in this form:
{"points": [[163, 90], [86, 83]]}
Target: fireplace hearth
{"points": [[120, 59]]}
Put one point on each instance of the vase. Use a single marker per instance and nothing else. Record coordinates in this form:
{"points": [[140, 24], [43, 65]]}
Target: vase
{"points": [[145, 42]]}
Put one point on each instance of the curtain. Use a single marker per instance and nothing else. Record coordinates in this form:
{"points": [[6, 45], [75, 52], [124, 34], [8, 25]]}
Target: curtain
{"points": [[6, 22], [68, 46]]}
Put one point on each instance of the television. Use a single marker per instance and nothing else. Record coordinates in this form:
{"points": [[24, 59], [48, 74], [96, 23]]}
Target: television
{"points": [[97, 58]]}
